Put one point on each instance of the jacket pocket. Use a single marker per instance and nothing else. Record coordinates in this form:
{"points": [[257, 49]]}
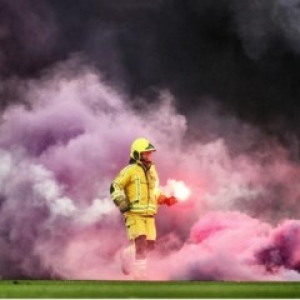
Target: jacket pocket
{"points": [[129, 222]]}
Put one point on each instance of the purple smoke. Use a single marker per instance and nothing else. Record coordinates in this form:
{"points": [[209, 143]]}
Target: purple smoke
{"points": [[61, 149]]}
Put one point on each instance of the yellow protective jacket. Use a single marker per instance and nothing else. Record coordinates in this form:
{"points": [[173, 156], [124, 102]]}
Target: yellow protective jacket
{"points": [[140, 187]]}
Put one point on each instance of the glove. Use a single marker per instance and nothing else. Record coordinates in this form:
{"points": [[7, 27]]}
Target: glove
{"points": [[122, 203], [170, 200]]}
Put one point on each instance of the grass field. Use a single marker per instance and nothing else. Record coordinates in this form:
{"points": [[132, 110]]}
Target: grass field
{"points": [[133, 289]]}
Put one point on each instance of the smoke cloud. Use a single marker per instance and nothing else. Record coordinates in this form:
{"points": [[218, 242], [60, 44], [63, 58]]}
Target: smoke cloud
{"points": [[60, 151], [212, 84]]}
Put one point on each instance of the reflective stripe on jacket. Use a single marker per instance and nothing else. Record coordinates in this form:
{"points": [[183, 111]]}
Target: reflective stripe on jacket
{"points": [[139, 186]]}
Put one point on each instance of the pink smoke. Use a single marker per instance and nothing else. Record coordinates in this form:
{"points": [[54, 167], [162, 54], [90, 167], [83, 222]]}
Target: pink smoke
{"points": [[60, 151]]}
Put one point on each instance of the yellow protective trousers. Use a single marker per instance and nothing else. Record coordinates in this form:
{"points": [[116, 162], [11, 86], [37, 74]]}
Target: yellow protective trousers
{"points": [[137, 225]]}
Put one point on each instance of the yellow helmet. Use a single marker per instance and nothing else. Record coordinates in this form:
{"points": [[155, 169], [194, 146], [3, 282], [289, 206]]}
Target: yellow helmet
{"points": [[140, 145]]}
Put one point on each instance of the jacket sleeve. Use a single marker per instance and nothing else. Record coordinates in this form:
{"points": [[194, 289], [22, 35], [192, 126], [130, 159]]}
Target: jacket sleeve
{"points": [[160, 196], [119, 183]]}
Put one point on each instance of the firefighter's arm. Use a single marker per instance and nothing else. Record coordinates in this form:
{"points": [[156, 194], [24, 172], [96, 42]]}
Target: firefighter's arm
{"points": [[161, 197], [117, 191]]}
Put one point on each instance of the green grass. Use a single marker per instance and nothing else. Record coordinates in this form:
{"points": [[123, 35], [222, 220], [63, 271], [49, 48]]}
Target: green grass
{"points": [[133, 289]]}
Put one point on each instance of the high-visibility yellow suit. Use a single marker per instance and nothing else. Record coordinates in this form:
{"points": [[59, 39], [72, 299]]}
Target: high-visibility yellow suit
{"points": [[135, 190], [141, 189]]}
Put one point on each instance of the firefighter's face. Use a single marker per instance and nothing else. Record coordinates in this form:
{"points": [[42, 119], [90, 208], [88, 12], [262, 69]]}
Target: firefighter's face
{"points": [[147, 156]]}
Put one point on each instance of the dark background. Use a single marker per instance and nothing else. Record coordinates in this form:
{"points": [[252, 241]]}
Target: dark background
{"points": [[239, 57]]}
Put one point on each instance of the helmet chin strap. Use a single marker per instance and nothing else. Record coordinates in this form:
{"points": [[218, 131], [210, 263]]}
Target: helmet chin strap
{"points": [[146, 163]]}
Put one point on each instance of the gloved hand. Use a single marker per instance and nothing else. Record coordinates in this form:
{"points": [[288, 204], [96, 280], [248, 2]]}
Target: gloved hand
{"points": [[170, 200], [123, 203]]}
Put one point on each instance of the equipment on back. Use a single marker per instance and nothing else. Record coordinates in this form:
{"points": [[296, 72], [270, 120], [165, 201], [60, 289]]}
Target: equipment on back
{"points": [[139, 146]]}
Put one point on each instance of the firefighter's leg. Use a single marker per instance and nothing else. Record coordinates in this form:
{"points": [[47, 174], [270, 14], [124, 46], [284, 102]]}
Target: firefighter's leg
{"points": [[143, 245], [140, 262], [151, 234], [133, 257], [127, 258], [128, 254]]}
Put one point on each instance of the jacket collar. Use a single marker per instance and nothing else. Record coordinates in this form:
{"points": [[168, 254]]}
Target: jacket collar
{"points": [[138, 162]]}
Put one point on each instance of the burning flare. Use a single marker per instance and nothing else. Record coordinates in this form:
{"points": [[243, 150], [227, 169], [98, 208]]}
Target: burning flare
{"points": [[177, 189]]}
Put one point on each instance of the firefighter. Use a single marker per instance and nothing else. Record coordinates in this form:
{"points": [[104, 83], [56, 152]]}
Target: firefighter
{"points": [[135, 191]]}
